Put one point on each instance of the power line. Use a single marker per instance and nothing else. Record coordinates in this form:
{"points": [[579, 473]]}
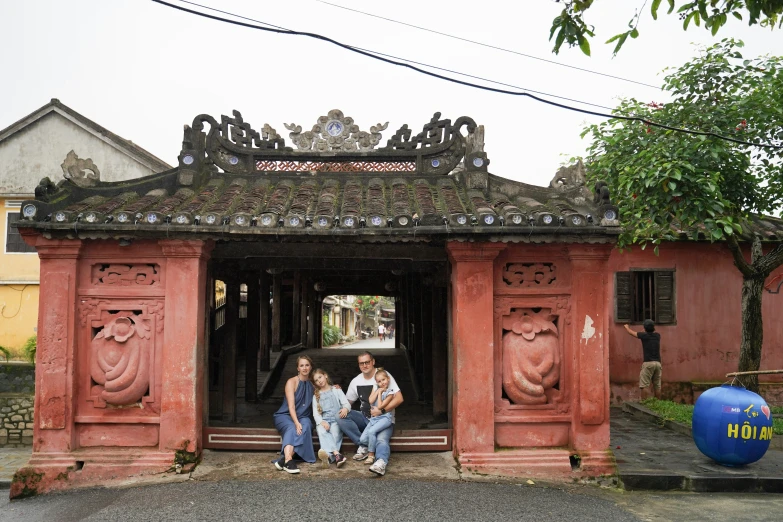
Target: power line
{"points": [[462, 82], [410, 61], [490, 46]]}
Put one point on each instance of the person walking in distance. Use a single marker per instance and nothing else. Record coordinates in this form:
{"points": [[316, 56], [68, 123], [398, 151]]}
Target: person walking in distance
{"points": [[382, 332], [355, 422], [651, 367]]}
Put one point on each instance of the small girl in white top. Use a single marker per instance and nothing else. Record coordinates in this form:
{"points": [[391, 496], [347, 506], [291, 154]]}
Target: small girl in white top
{"points": [[380, 397]]}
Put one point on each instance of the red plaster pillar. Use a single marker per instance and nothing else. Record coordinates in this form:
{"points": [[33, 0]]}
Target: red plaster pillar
{"points": [[472, 345], [55, 392], [181, 416], [590, 429]]}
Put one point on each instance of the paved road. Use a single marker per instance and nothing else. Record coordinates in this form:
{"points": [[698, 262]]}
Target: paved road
{"points": [[321, 500], [385, 500]]}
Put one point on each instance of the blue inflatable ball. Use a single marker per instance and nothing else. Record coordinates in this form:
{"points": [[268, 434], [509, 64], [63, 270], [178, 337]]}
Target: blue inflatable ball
{"points": [[732, 425]]}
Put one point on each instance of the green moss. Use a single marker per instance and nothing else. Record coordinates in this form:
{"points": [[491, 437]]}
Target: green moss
{"points": [[29, 480], [183, 457]]}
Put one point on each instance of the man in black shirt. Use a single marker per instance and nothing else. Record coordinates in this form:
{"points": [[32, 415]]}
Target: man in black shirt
{"points": [[651, 367]]}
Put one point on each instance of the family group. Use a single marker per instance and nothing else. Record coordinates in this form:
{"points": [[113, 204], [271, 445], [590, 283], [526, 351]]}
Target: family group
{"points": [[312, 399]]}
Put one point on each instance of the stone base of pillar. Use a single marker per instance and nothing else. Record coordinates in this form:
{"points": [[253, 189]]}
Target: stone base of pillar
{"points": [[46, 472], [550, 464]]}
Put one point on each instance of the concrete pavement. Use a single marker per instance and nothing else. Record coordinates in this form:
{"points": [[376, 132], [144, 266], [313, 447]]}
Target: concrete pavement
{"points": [[12, 459], [651, 457]]}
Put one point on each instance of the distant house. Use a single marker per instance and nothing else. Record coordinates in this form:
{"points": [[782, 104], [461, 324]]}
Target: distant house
{"points": [[54, 141]]}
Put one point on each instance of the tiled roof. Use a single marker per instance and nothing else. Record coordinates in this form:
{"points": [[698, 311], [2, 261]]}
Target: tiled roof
{"points": [[234, 181]]}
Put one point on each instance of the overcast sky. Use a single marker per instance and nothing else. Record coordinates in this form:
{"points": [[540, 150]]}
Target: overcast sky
{"points": [[142, 70]]}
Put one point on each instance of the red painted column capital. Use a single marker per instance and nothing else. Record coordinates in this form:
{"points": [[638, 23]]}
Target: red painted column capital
{"points": [[467, 252]]}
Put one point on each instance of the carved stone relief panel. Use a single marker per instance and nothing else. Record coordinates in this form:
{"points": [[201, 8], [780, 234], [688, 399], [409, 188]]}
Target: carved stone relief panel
{"points": [[125, 275], [531, 356], [529, 275], [121, 354]]}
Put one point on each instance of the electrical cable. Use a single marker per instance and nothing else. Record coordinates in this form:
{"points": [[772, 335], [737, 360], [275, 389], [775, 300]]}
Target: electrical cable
{"points": [[490, 46], [464, 83], [411, 61]]}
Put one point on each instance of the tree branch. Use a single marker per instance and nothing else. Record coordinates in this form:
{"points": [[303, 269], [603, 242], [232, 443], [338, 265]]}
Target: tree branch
{"points": [[739, 259], [771, 261]]}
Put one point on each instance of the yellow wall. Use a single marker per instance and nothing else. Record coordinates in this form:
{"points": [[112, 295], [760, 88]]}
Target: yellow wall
{"points": [[19, 276]]}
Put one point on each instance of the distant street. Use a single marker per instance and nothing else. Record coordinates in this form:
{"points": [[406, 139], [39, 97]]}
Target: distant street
{"points": [[373, 343]]}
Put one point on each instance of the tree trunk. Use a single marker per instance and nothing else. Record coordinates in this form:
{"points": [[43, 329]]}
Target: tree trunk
{"points": [[752, 331], [753, 276]]}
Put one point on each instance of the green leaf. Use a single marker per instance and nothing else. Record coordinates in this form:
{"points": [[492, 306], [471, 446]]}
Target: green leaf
{"points": [[584, 45], [672, 185], [634, 32], [717, 233], [737, 15], [654, 8]]}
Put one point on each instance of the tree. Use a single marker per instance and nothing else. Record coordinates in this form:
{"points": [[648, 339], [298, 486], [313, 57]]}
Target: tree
{"points": [[669, 183], [569, 26]]}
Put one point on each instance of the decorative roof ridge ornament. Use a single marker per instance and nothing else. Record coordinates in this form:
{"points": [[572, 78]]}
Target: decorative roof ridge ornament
{"points": [[335, 145], [336, 132], [436, 132]]}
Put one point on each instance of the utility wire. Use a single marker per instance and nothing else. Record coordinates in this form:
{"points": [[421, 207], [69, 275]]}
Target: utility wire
{"points": [[490, 46], [413, 61], [462, 82]]}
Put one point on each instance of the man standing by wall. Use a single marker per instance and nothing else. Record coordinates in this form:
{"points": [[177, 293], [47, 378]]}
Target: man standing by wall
{"points": [[651, 367]]}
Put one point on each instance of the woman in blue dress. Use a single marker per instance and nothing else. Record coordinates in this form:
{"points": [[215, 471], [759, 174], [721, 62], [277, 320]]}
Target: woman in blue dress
{"points": [[293, 419]]}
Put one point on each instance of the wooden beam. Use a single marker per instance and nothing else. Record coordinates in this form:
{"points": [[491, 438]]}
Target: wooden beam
{"points": [[277, 308], [229, 354], [313, 251], [439, 330], [296, 310], [252, 337], [265, 340]]}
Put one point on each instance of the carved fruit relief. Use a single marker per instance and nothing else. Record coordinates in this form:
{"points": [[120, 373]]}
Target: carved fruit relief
{"points": [[120, 360], [531, 356]]}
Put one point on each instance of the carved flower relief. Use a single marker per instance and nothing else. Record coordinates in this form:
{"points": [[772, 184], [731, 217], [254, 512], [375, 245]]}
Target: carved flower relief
{"points": [[531, 357], [119, 360]]}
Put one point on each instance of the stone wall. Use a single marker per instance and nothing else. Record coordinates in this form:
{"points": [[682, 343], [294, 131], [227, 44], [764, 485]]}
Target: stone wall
{"points": [[17, 377], [16, 420], [17, 393]]}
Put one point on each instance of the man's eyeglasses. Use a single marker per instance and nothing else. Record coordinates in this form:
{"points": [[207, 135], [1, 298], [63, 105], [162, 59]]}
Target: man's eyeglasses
{"points": [[365, 363]]}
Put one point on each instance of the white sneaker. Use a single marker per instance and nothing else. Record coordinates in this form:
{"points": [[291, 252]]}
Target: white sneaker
{"points": [[361, 453], [379, 467]]}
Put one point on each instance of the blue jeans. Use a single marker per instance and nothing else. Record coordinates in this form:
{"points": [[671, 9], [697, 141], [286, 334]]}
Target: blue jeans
{"points": [[353, 425], [330, 440], [376, 425]]}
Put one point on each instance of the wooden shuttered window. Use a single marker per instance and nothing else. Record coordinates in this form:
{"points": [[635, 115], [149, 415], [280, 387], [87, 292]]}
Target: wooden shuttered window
{"points": [[622, 297], [645, 294]]}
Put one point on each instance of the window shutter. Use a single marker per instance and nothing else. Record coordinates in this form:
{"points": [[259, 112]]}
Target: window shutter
{"points": [[664, 298], [622, 297]]}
